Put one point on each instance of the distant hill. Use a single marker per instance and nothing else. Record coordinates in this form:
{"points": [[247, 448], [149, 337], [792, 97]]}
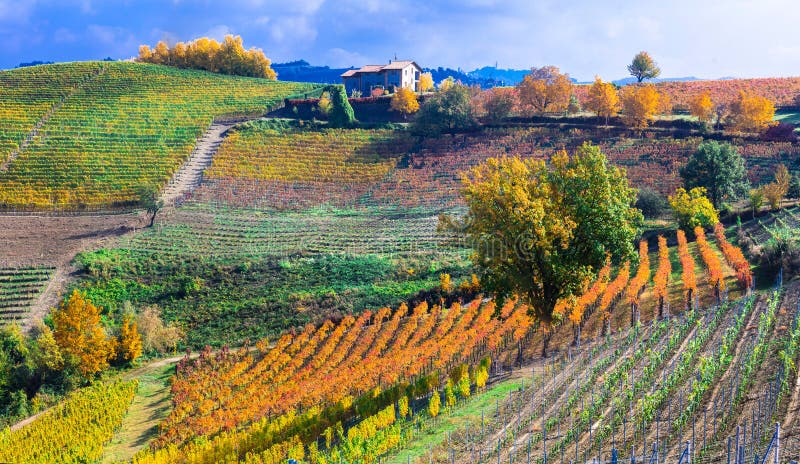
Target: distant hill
{"points": [[302, 71]]}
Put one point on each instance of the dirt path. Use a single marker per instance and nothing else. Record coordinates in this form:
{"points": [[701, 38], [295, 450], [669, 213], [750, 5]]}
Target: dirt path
{"points": [[190, 174]]}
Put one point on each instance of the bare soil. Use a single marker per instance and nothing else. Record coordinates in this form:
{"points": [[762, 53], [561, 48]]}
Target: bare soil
{"points": [[54, 241]]}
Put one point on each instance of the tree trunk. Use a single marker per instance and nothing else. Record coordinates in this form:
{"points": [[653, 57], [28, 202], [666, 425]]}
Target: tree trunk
{"points": [[660, 307], [689, 298], [545, 344], [153, 219]]}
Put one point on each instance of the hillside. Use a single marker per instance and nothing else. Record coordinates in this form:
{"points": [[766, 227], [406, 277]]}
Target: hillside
{"points": [[330, 317], [88, 135]]}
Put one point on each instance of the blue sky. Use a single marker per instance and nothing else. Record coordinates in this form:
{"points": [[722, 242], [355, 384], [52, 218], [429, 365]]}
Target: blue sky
{"points": [[703, 38]]}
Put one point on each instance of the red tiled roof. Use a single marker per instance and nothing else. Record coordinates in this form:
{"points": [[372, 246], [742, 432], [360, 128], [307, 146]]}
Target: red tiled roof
{"points": [[375, 68], [398, 64]]}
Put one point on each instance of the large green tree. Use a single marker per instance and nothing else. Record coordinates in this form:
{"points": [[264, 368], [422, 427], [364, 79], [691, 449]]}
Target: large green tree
{"points": [[541, 231], [719, 168], [644, 67], [448, 110]]}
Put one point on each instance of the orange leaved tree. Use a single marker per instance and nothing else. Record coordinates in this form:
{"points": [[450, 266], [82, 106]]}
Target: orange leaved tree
{"points": [[81, 336], [640, 103], [603, 99]]}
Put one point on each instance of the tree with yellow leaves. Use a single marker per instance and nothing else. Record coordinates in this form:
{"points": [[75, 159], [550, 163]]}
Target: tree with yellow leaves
{"points": [[425, 83], [130, 342], [228, 57], [434, 404], [545, 89], [751, 113], [81, 336], [640, 103], [775, 191], [552, 226], [405, 102], [603, 99], [701, 107]]}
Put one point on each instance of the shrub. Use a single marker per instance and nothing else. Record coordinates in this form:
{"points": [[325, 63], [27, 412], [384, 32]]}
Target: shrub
{"points": [[651, 203], [693, 208], [781, 132], [781, 251], [448, 110]]}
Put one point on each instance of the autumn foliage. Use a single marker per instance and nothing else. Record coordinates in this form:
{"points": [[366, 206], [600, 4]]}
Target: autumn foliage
{"points": [[661, 279], [638, 281], [74, 431], [752, 113], [687, 265], [603, 99], [545, 89], [405, 101], [81, 336], [701, 107], [228, 57], [613, 290], [331, 364], [734, 257], [130, 342], [711, 260], [640, 103]]}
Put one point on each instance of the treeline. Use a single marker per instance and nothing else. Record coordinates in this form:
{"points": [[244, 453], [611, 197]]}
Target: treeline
{"points": [[228, 57]]}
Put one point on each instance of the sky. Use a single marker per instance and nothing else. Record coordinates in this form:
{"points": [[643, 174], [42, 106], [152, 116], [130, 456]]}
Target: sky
{"points": [[702, 38]]}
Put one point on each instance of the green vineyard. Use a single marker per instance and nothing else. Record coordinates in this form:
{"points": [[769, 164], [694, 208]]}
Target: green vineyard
{"points": [[19, 288], [99, 132]]}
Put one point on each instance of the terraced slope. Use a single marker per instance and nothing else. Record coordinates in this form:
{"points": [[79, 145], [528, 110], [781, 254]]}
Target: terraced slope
{"points": [[89, 135], [19, 289]]}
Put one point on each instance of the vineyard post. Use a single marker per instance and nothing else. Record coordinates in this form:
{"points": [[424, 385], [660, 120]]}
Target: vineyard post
{"points": [[729, 450], [624, 429], [705, 419], [744, 438], [529, 450]]}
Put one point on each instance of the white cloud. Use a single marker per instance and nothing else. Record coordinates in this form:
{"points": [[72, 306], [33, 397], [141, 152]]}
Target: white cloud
{"points": [[16, 11], [64, 35], [217, 33], [296, 29], [341, 58], [114, 41]]}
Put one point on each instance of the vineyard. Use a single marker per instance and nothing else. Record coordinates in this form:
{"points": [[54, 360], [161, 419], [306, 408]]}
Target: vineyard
{"points": [[89, 135], [781, 90], [331, 315], [761, 229], [344, 389], [19, 288], [425, 176], [72, 432]]}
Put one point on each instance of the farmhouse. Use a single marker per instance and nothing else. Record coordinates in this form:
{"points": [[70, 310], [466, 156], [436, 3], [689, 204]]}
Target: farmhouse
{"points": [[396, 74]]}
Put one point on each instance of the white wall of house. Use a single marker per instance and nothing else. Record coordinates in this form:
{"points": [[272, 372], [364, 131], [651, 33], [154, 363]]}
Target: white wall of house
{"points": [[407, 76]]}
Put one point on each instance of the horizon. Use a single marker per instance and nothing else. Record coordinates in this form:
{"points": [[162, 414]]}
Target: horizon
{"points": [[582, 39]]}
